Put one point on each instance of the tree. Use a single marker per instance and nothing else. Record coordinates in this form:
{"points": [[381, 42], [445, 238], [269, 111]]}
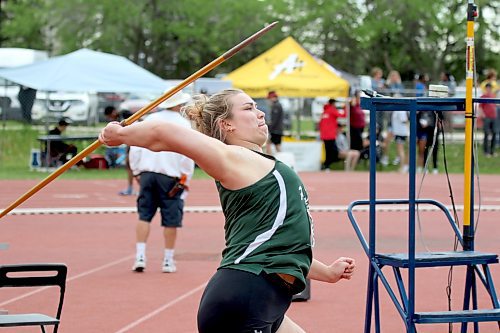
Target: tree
{"points": [[24, 24], [170, 38], [175, 38]]}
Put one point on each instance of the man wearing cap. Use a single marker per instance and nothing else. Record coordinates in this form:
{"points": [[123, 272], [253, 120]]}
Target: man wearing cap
{"points": [[163, 178], [58, 149], [275, 125]]}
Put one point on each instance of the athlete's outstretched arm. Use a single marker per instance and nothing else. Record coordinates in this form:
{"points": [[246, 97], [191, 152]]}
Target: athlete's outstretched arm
{"points": [[342, 268], [210, 154]]}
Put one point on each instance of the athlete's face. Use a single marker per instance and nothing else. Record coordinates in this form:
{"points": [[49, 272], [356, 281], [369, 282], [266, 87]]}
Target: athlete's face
{"points": [[247, 125]]}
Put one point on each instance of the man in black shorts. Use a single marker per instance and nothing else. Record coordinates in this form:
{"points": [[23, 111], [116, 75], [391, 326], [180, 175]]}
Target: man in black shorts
{"points": [[275, 125], [163, 178]]}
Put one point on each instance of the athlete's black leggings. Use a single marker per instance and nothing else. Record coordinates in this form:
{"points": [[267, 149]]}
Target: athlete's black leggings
{"points": [[236, 301]]}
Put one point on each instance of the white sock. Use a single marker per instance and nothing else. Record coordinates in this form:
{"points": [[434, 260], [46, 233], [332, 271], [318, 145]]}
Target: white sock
{"points": [[140, 250], [169, 254]]}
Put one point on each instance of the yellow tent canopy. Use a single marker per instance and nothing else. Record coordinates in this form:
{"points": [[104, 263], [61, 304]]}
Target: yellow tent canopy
{"points": [[291, 71]]}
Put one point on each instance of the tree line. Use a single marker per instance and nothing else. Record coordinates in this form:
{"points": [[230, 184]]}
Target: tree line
{"points": [[174, 38]]}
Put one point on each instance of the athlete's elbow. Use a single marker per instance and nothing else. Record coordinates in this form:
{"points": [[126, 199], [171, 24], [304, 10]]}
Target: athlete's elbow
{"points": [[159, 138]]}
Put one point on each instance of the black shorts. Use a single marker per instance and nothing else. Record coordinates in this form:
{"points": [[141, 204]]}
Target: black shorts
{"points": [[276, 138], [239, 301], [154, 195], [400, 139]]}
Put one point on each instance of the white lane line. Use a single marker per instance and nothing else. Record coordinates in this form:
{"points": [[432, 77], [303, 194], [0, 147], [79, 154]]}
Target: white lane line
{"points": [[161, 308], [102, 210], [217, 209], [36, 291], [116, 262]]}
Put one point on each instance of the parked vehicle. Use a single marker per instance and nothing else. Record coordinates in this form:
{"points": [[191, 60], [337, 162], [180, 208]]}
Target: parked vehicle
{"points": [[108, 99], [133, 102], [136, 101], [208, 86], [78, 107]]}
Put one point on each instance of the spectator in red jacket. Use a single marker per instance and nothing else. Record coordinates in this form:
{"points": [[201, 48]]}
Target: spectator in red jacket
{"points": [[328, 132]]}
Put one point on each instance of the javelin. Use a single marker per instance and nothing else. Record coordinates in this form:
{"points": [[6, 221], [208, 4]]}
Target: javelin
{"points": [[228, 54]]}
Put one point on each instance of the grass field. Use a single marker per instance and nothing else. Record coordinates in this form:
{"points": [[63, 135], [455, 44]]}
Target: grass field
{"points": [[17, 140]]}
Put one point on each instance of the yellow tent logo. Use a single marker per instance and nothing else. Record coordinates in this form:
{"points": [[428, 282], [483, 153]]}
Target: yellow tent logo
{"points": [[287, 66]]}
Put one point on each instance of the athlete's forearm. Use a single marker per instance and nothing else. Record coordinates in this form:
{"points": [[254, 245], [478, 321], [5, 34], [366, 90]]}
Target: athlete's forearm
{"points": [[342, 268], [320, 272]]}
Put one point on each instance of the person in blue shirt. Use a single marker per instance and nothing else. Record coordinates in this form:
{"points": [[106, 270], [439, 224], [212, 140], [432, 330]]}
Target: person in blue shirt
{"points": [[420, 85], [114, 154]]}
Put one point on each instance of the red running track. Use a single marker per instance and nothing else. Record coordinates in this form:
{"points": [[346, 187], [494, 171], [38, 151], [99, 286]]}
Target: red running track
{"points": [[103, 295]]}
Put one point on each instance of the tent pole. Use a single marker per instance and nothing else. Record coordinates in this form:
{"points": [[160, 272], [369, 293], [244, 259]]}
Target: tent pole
{"points": [[4, 104], [468, 217], [299, 111], [4, 118]]}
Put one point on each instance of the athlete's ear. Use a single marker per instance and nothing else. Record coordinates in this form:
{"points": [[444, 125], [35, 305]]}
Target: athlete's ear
{"points": [[226, 126]]}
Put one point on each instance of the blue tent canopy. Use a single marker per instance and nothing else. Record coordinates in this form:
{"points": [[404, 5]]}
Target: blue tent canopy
{"points": [[86, 70]]}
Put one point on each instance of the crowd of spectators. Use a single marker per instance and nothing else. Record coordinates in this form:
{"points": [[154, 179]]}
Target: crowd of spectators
{"points": [[393, 127]]}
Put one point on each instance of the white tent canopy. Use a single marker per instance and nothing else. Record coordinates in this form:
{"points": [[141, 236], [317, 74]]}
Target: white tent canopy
{"points": [[86, 70]]}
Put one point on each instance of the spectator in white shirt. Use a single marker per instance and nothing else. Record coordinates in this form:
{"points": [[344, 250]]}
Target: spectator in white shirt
{"points": [[163, 177], [401, 132]]}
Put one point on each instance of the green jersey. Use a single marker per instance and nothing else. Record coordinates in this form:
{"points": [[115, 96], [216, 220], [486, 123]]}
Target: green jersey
{"points": [[268, 226]]}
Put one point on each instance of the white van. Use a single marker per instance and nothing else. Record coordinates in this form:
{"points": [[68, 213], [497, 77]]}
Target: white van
{"points": [[78, 107]]}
